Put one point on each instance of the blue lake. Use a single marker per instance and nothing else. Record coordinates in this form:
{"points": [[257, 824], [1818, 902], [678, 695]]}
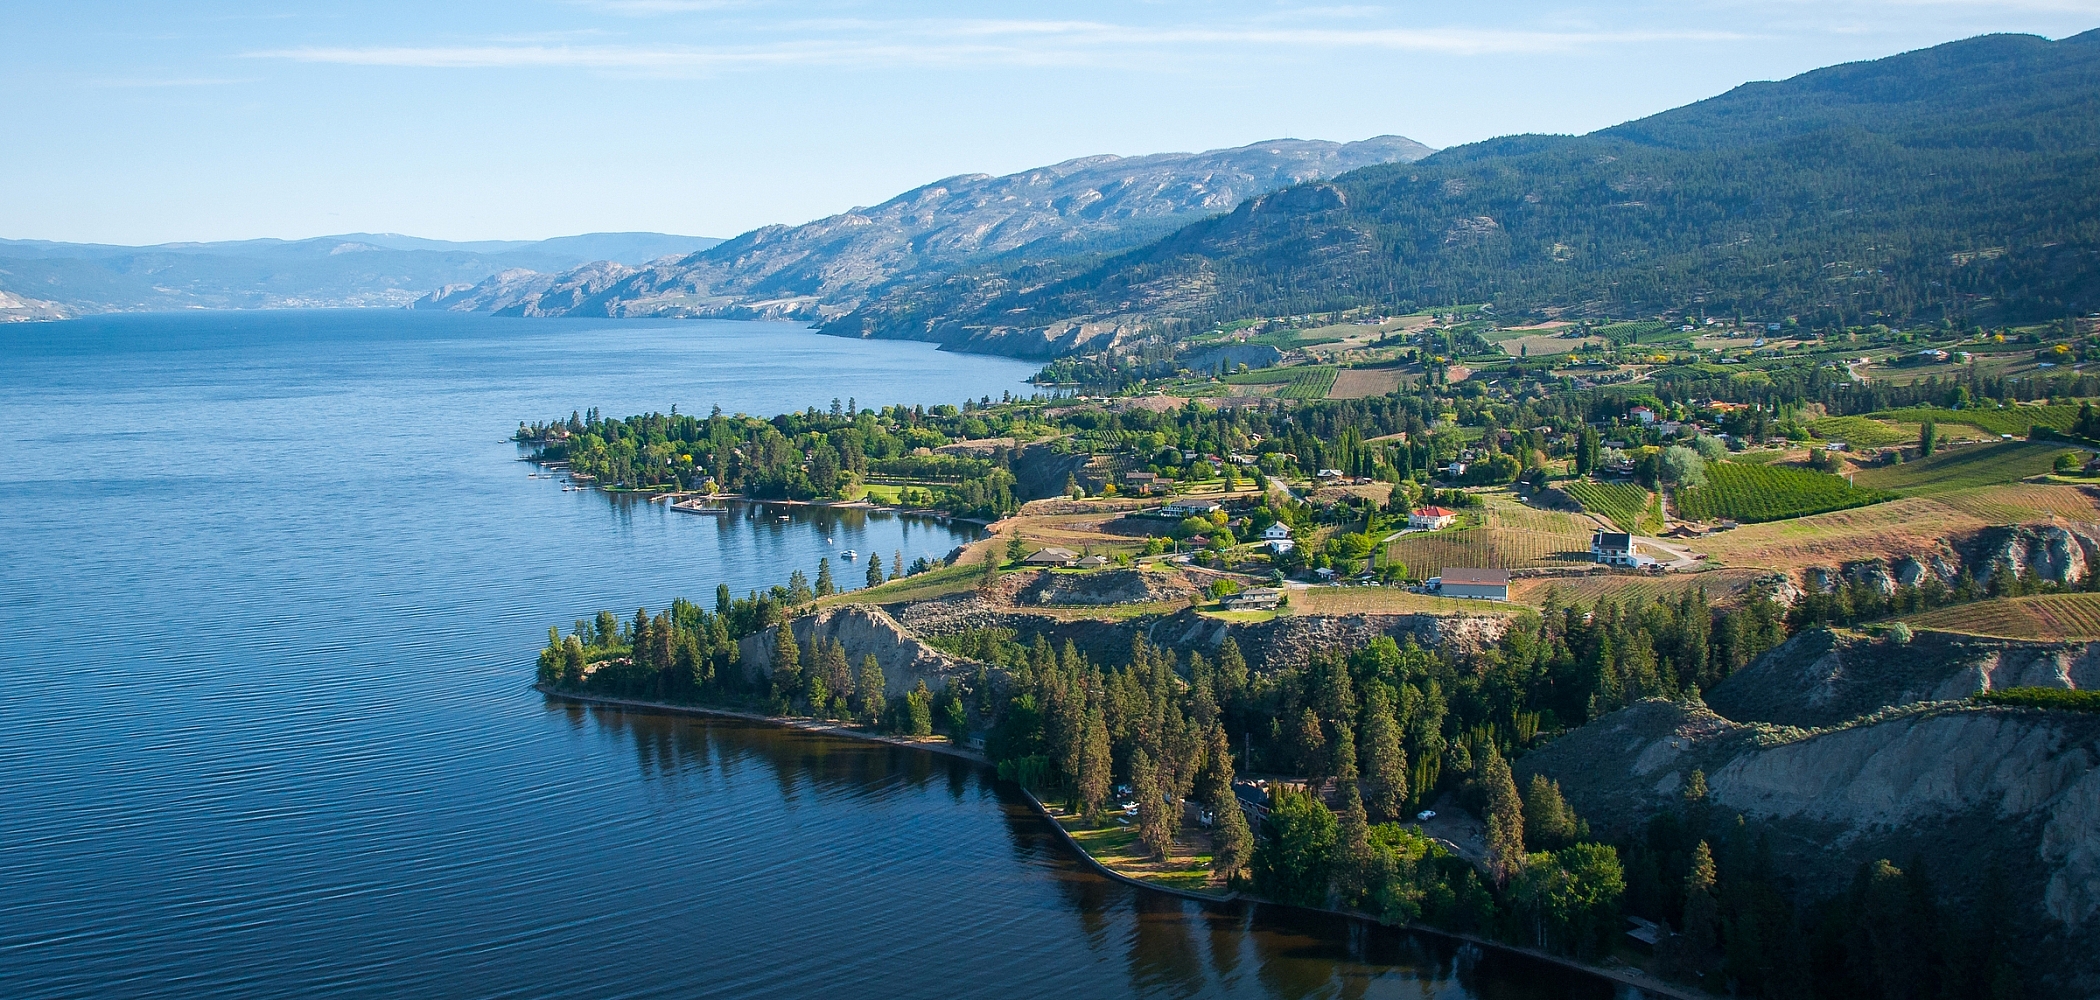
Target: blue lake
{"points": [[274, 583]]}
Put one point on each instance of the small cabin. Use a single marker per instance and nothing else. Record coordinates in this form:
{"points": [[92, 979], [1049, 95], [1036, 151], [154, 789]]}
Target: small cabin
{"points": [[1276, 532]]}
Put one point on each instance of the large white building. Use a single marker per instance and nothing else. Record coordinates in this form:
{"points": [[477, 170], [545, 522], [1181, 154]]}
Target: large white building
{"points": [[1431, 518]]}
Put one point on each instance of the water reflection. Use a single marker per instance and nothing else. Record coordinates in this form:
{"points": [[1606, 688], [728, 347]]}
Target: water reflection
{"points": [[1036, 900]]}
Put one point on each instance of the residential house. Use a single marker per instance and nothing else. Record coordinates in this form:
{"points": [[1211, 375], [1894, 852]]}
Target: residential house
{"points": [[1613, 548], [1431, 518], [1643, 414], [1254, 599], [1276, 532], [1188, 508], [1052, 556], [1483, 584], [1455, 470], [1090, 562]]}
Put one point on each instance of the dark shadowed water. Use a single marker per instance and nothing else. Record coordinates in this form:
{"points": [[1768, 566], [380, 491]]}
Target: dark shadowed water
{"points": [[273, 584]]}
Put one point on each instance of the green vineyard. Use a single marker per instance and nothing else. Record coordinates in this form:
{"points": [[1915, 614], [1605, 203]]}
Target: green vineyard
{"points": [[1620, 503], [1315, 383], [1756, 493], [1966, 466]]}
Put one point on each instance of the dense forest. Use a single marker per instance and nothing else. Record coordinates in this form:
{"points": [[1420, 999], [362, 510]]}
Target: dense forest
{"points": [[1951, 182], [1362, 738]]}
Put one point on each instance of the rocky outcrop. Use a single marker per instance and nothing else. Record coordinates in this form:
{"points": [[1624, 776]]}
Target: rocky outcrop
{"points": [[1103, 588], [1824, 677], [2058, 553], [1272, 645], [863, 631], [1971, 791]]}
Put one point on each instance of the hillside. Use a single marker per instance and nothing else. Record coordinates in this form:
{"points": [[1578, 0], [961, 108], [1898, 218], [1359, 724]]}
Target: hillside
{"points": [[824, 268], [1960, 180], [46, 280]]}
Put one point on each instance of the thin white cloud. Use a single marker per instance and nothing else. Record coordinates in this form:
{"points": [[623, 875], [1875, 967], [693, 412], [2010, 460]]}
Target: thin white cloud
{"points": [[174, 82], [977, 42]]}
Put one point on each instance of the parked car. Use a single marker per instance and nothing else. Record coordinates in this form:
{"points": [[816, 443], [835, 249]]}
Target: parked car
{"points": [[1425, 815]]}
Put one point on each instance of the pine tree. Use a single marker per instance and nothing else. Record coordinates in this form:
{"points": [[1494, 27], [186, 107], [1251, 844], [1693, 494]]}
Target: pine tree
{"points": [[1232, 670], [787, 664], [874, 570], [1094, 763], [1699, 941], [896, 564], [1505, 819], [873, 690], [1384, 762], [1311, 745], [1549, 824], [825, 586], [1231, 841], [1152, 805], [1355, 863]]}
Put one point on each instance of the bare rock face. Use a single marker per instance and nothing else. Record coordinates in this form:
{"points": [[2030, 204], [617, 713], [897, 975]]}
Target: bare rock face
{"points": [[1824, 677], [863, 631], [1974, 792], [2058, 553], [1103, 588]]}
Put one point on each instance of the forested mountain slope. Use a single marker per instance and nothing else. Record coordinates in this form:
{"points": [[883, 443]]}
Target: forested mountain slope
{"points": [[1959, 180], [821, 269]]}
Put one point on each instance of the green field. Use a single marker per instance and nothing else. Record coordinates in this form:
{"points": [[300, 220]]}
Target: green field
{"points": [[1620, 503], [2011, 420], [1312, 383], [1960, 468], [2051, 617], [1754, 493], [1861, 432], [1265, 376]]}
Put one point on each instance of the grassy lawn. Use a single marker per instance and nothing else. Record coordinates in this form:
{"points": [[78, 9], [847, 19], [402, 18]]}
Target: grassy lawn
{"points": [[881, 494], [1238, 617], [1115, 846], [924, 587]]}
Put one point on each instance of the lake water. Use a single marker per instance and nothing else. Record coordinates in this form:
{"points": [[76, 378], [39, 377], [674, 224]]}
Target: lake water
{"points": [[273, 586]]}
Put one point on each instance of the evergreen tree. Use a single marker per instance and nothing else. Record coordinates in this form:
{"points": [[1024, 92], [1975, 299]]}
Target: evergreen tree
{"points": [[874, 570], [1231, 841], [1094, 763], [1549, 823], [1384, 761], [1153, 833], [896, 564], [1356, 864], [1293, 861], [1311, 745], [825, 586], [787, 664], [1505, 818], [872, 689], [1928, 438], [1697, 945]]}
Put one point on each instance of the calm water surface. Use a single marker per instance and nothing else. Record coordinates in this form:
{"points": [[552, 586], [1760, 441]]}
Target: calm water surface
{"points": [[273, 586]]}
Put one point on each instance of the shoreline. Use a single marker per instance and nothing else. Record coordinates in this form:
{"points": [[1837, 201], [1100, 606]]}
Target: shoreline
{"points": [[1625, 975]]}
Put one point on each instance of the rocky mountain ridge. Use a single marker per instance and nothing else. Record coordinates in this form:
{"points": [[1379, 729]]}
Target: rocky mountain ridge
{"points": [[823, 270]]}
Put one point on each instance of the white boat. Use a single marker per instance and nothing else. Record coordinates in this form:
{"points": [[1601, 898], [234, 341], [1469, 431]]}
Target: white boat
{"points": [[849, 555], [696, 507]]}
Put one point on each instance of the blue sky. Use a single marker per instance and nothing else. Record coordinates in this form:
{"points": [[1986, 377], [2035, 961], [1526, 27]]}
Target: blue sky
{"points": [[225, 119]]}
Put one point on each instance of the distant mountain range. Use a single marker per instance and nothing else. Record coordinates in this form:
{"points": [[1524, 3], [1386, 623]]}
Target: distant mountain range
{"points": [[46, 280], [1958, 182], [825, 269]]}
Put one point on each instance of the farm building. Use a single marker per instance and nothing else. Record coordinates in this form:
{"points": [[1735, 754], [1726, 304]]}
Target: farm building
{"points": [[1613, 548], [1487, 584], [1431, 518]]}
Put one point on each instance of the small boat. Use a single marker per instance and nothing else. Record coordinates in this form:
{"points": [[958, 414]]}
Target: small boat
{"points": [[785, 517], [849, 555]]}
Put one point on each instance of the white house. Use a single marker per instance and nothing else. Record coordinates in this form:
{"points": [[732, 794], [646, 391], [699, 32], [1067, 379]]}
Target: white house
{"points": [[1188, 508], [1278, 532], [1455, 469], [1613, 548], [1644, 415], [1431, 518]]}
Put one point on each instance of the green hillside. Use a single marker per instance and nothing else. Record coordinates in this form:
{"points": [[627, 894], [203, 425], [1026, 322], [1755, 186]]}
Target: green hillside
{"points": [[1911, 186]]}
